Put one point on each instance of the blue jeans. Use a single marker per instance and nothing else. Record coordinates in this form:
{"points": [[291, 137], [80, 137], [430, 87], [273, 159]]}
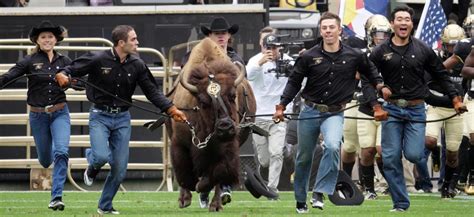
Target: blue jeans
{"points": [[51, 132], [424, 178], [308, 138], [110, 136], [398, 136]]}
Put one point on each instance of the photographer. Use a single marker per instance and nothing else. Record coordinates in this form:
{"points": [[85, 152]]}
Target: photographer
{"points": [[268, 82]]}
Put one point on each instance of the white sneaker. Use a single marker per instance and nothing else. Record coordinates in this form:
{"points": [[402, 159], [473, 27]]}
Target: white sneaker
{"points": [[397, 210], [203, 200], [111, 211], [87, 180], [412, 190], [226, 195], [370, 195], [317, 200], [56, 205]]}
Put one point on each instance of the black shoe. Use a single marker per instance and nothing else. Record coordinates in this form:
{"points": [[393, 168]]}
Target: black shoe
{"points": [[110, 211], [317, 200], [460, 186], [56, 204], [226, 195], [301, 208], [370, 195], [386, 191], [448, 190], [89, 175], [276, 198]]}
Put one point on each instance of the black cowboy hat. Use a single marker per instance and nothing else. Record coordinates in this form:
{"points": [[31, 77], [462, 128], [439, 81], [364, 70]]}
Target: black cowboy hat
{"points": [[46, 26], [255, 185], [346, 192], [219, 24]]}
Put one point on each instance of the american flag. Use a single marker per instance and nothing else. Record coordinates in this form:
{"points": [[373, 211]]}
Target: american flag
{"points": [[431, 24]]}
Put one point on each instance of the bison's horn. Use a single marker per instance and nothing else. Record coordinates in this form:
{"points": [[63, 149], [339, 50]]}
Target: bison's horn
{"points": [[184, 81], [241, 75]]}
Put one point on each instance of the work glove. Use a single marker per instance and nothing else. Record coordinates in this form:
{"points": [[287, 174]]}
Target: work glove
{"points": [[459, 105], [379, 113], [278, 116], [384, 91], [62, 79], [176, 114], [77, 85]]}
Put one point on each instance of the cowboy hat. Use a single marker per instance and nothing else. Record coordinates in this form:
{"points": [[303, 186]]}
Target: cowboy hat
{"points": [[220, 24], [255, 185], [346, 192], [45, 26]]}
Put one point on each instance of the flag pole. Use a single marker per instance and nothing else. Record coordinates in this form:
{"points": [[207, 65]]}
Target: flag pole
{"points": [[342, 5], [422, 19]]}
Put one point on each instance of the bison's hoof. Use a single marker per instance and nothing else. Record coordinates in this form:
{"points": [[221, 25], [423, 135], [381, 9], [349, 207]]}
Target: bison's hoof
{"points": [[185, 197], [214, 207], [184, 203]]}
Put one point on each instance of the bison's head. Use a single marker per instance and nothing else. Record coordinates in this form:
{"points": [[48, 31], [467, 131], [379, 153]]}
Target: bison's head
{"points": [[214, 85]]}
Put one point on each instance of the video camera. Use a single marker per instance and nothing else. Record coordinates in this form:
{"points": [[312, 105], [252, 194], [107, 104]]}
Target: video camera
{"points": [[283, 66]]}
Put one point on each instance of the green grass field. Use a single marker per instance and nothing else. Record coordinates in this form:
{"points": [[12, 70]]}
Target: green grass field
{"points": [[243, 204]]}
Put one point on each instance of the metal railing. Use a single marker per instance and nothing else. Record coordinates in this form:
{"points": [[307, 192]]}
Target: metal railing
{"points": [[67, 40]]}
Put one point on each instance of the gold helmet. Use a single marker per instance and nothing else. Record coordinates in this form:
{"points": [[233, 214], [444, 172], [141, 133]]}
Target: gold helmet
{"points": [[452, 34], [376, 23], [468, 24]]}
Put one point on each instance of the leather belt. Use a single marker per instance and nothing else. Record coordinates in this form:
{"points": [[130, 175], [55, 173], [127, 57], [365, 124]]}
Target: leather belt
{"points": [[48, 108], [403, 103], [324, 108], [356, 95], [111, 109]]}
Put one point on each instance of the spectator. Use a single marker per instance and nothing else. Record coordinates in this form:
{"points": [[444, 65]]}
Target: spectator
{"points": [[268, 83]]}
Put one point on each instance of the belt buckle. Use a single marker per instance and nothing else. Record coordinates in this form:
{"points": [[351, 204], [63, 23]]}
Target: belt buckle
{"points": [[46, 108], [356, 96], [114, 110], [402, 103], [322, 108]]}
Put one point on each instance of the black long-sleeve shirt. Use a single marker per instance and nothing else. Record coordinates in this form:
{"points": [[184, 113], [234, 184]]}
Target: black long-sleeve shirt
{"points": [[404, 72], [42, 89], [106, 71], [330, 76]]}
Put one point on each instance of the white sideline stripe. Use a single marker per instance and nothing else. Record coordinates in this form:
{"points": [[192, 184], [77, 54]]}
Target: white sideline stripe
{"points": [[257, 203], [72, 205]]}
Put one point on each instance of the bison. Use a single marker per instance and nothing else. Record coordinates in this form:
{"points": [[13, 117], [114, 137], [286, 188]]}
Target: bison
{"points": [[216, 98]]}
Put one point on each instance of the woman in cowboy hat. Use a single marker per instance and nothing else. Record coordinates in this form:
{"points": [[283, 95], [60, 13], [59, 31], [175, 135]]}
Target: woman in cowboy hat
{"points": [[49, 114]]}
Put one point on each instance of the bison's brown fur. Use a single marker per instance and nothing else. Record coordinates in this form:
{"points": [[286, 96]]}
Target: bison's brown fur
{"points": [[218, 163]]}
